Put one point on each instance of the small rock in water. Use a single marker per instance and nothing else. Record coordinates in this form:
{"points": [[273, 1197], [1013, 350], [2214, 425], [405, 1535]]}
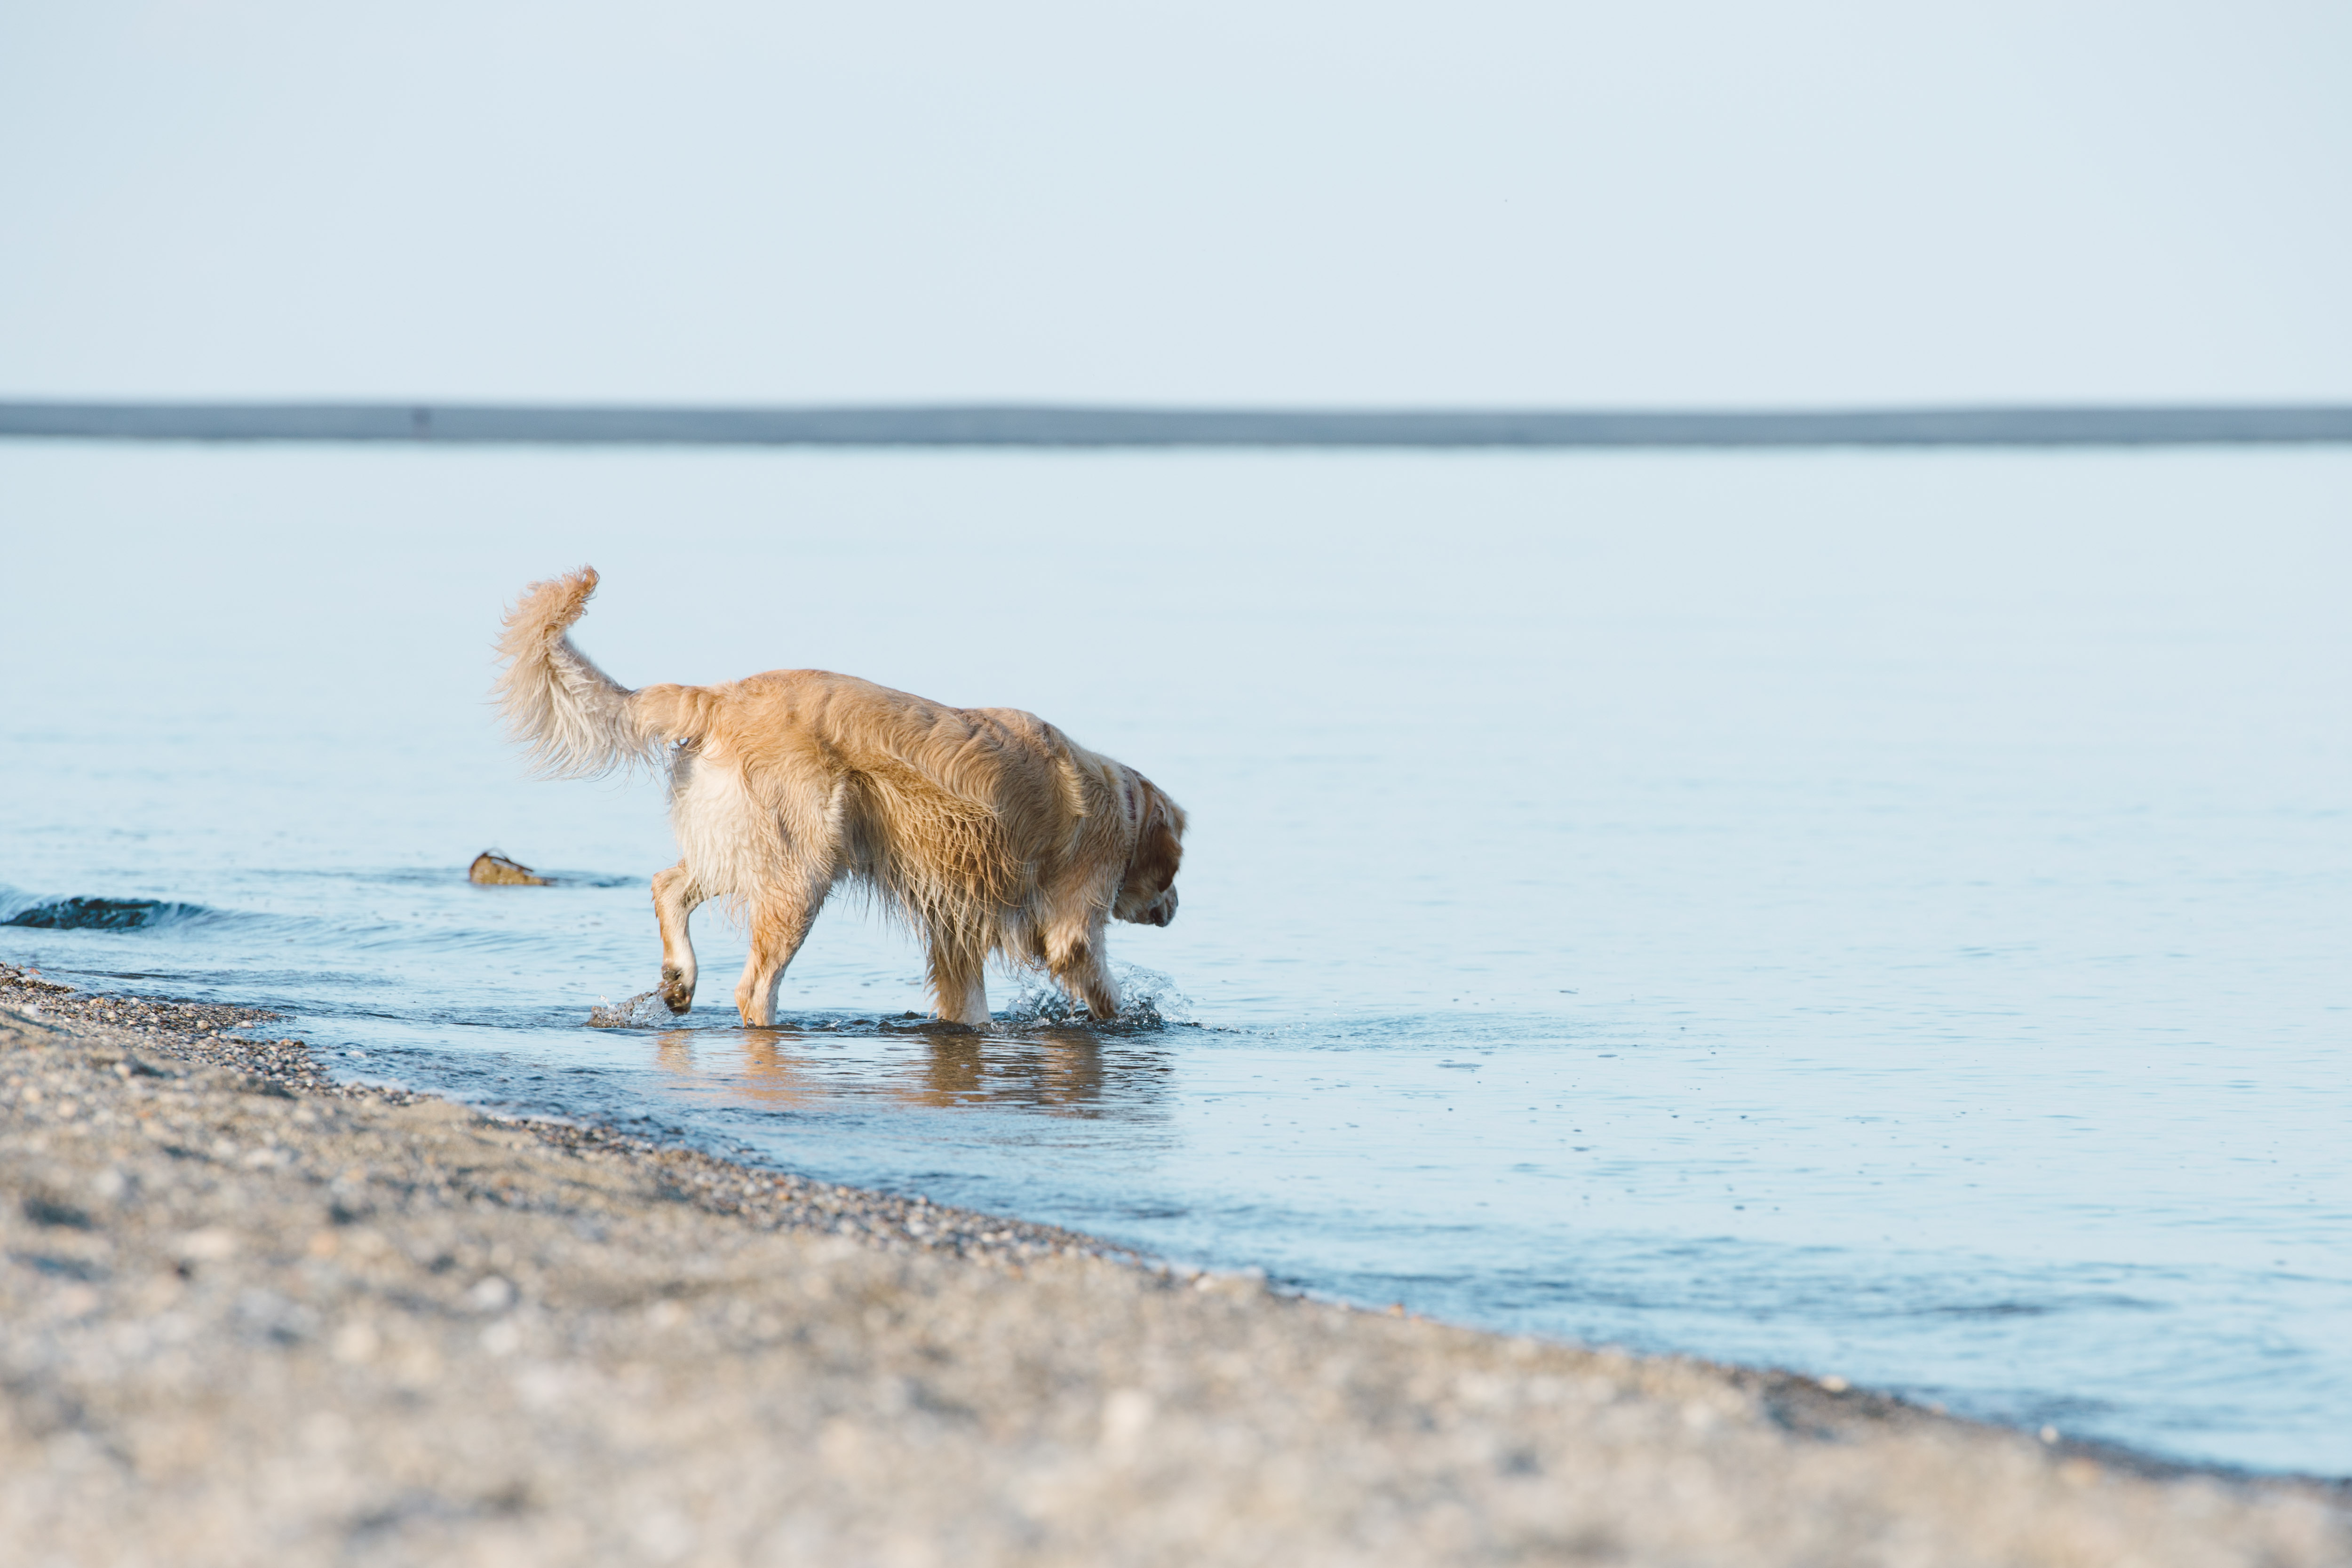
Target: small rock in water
{"points": [[492, 869], [642, 1011]]}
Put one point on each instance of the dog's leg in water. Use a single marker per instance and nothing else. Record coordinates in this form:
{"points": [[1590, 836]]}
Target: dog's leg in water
{"points": [[780, 923], [1076, 959], [675, 899], [960, 985]]}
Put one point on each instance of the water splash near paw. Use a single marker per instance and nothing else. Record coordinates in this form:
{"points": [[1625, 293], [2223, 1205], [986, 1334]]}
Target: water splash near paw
{"points": [[1147, 1000], [646, 1010]]}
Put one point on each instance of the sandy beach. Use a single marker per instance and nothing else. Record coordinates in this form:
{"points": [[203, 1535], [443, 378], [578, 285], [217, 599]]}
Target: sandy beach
{"points": [[253, 1315]]}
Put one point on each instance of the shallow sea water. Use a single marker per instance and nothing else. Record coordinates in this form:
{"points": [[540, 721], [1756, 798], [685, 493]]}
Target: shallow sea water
{"points": [[1881, 914]]}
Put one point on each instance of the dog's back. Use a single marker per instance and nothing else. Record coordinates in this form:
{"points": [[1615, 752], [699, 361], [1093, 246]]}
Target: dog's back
{"points": [[938, 806]]}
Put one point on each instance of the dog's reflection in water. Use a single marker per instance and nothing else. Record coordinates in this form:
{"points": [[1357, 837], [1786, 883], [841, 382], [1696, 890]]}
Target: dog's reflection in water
{"points": [[1063, 1071], [771, 1074], [1060, 1071]]}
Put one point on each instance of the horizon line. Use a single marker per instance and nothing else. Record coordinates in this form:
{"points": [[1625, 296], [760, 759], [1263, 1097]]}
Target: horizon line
{"points": [[1080, 424]]}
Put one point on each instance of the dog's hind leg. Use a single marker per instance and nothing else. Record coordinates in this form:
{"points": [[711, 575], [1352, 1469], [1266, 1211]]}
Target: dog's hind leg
{"points": [[781, 917], [676, 896], [959, 982]]}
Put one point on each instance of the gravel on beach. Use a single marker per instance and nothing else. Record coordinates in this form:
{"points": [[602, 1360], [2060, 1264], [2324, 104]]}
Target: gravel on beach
{"points": [[249, 1314]]}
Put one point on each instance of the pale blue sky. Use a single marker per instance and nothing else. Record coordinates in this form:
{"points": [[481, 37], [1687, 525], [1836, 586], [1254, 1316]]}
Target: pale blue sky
{"points": [[1358, 204]]}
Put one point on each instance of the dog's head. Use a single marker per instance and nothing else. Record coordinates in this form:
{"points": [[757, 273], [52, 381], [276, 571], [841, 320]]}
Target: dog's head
{"points": [[1147, 888]]}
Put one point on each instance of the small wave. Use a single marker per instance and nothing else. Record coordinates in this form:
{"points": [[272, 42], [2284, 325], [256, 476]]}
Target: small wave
{"points": [[101, 914], [1147, 1000]]}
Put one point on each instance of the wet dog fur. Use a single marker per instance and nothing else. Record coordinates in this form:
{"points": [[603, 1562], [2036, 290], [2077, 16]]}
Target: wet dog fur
{"points": [[987, 830]]}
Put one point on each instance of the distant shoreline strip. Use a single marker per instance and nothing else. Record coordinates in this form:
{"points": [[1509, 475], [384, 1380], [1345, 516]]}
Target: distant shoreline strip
{"points": [[1015, 425]]}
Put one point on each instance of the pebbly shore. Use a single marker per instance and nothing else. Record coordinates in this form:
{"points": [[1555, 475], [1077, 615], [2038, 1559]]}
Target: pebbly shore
{"points": [[250, 1314]]}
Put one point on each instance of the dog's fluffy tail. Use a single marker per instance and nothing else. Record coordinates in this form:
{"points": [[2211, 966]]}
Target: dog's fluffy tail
{"points": [[578, 722]]}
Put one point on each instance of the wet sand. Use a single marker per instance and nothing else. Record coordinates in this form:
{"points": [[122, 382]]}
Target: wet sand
{"points": [[254, 1315]]}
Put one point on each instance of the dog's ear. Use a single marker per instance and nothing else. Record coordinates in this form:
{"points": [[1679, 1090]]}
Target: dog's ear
{"points": [[1158, 846]]}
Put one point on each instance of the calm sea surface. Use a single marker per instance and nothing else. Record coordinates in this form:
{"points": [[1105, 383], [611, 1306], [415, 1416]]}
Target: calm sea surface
{"points": [[1887, 914]]}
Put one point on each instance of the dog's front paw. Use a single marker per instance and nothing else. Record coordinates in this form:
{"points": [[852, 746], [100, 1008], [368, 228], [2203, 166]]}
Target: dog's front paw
{"points": [[677, 989]]}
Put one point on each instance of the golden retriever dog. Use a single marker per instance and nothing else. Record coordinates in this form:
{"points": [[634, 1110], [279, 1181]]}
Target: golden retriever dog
{"points": [[986, 829]]}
